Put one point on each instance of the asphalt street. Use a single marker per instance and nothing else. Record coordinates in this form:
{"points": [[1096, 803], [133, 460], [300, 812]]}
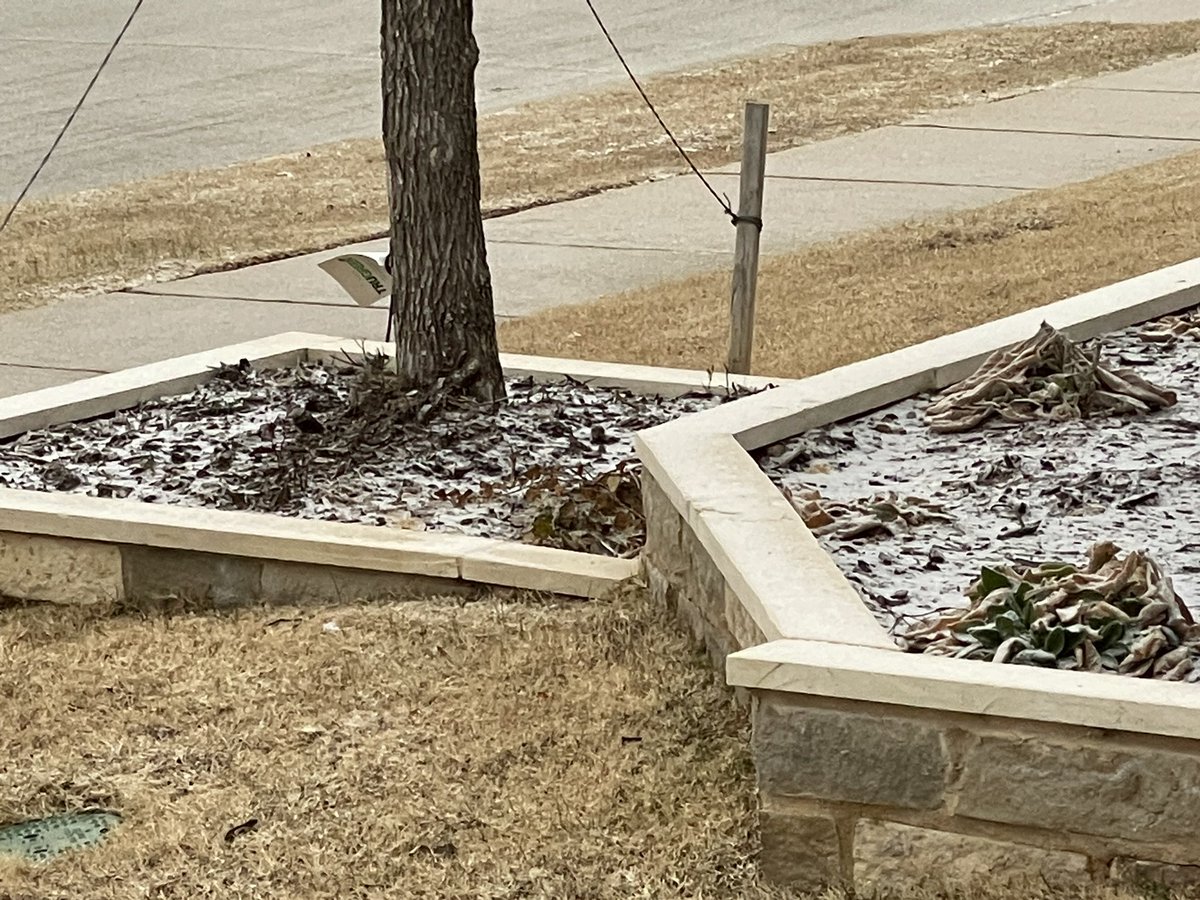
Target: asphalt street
{"points": [[199, 84]]}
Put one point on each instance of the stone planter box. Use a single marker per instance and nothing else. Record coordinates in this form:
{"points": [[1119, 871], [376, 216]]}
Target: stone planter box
{"points": [[877, 767], [70, 548]]}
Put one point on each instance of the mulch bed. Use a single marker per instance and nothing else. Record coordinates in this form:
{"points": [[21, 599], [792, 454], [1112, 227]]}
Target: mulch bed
{"points": [[911, 509], [553, 465]]}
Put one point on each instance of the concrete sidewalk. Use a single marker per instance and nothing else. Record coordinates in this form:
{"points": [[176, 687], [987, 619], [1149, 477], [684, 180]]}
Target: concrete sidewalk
{"points": [[208, 84], [577, 251]]}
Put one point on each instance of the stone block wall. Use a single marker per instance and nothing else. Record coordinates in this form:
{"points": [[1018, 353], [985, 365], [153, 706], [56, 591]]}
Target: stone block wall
{"points": [[33, 567], [869, 795], [61, 570], [680, 573]]}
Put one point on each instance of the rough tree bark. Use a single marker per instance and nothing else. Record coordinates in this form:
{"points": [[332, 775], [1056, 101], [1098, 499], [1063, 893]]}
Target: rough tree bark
{"points": [[441, 305]]}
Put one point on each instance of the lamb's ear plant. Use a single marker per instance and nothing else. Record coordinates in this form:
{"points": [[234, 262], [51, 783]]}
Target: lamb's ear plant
{"points": [[1117, 614], [1048, 376]]}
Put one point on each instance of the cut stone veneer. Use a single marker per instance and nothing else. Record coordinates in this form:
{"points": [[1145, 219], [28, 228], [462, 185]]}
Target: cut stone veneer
{"points": [[887, 852], [68, 571], [35, 567], [680, 573], [929, 798]]}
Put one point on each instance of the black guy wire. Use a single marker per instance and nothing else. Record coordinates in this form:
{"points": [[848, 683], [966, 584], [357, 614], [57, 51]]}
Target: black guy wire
{"points": [[724, 201], [71, 117]]}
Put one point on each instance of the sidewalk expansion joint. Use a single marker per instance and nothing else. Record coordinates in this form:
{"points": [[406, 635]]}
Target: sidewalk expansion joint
{"points": [[1086, 134], [142, 292], [606, 247], [904, 181], [42, 368], [167, 45], [1126, 90], [329, 304]]}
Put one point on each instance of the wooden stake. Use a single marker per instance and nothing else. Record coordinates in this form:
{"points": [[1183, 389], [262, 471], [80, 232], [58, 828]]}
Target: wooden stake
{"points": [[749, 225]]}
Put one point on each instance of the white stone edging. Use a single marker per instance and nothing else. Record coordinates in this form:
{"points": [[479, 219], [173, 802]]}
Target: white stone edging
{"points": [[475, 559], [1088, 699], [103, 394], [794, 592], [350, 546]]}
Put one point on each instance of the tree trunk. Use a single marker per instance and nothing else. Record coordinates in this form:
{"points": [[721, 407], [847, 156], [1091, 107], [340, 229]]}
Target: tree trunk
{"points": [[441, 304]]}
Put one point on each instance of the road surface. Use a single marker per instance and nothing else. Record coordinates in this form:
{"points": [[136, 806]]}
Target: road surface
{"points": [[198, 84]]}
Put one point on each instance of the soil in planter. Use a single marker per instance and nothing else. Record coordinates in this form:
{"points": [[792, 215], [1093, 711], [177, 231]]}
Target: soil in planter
{"points": [[916, 514], [554, 464]]}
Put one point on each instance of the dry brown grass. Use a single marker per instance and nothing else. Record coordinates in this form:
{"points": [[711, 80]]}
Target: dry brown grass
{"points": [[427, 749], [190, 222], [831, 304]]}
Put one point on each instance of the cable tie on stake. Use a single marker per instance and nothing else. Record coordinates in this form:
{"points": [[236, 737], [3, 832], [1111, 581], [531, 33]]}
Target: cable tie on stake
{"points": [[749, 220]]}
